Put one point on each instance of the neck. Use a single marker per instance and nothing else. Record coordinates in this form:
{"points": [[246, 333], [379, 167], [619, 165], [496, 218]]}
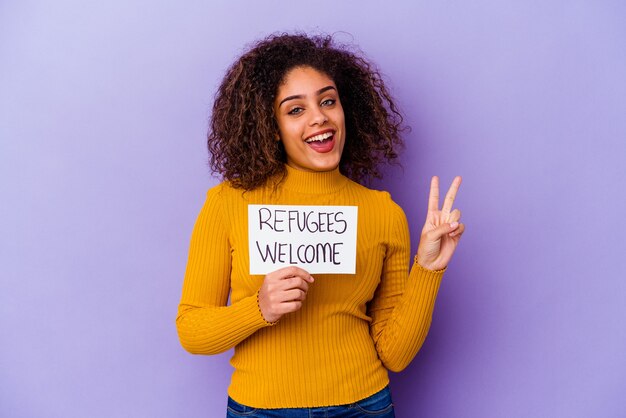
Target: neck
{"points": [[314, 182]]}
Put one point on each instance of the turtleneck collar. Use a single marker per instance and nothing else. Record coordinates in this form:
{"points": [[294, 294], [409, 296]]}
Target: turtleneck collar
{"points": [[313, 182]]}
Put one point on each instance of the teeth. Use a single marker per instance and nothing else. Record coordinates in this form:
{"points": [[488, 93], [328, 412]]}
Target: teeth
{"points": [[320, 137]]}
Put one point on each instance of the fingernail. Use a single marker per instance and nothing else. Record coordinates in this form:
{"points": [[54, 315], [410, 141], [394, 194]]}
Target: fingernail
{"points": [[312, 278], [454, 224]]}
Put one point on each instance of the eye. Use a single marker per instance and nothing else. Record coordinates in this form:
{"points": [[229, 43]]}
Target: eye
{"points": [[295, 111], [328, 102]]}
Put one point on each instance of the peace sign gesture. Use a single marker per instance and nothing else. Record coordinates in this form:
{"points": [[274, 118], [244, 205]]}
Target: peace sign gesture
{"points": [[442, 230]]}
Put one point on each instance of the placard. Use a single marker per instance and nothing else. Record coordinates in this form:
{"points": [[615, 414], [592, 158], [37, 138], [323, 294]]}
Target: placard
{"points": [[318, 239]]}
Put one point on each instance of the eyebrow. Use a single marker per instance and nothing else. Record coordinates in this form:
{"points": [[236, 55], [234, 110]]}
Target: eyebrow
{"points": [[300, 96]]}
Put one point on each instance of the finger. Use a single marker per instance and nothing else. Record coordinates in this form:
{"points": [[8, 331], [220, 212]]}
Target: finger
{"points": [[291, 271], [450, 196], [441, 230], [458, 232], [292, 283], [291, 295], [455, 215], [287, 307], [433, 198]]}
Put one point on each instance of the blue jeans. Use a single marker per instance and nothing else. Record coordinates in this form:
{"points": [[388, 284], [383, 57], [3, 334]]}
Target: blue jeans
{"points": [[378, 405]]}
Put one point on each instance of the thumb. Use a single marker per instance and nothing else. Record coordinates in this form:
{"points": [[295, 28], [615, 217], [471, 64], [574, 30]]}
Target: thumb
{"points": [[442, 230]]}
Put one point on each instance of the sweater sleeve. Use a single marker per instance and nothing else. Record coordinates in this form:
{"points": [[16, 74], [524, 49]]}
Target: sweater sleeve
{"points": [[402, 307], [205, 324]]}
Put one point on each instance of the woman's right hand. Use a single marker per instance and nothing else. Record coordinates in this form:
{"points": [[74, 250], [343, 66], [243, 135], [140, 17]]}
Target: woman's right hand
{"points": [[283, 291]]}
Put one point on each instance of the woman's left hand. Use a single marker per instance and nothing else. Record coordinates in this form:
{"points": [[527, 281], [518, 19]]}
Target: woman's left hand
{"points": [[442, 230]]}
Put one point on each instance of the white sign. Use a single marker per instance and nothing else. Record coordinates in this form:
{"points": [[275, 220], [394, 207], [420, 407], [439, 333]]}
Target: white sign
{"points": [[319, 239]]}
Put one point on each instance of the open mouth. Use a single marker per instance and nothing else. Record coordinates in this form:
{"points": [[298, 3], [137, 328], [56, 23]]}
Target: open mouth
{"points": [[319, 138], [323, 142]]}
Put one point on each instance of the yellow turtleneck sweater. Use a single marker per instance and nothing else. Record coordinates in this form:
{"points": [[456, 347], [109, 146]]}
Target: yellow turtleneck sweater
{"points": [[351, 328]]}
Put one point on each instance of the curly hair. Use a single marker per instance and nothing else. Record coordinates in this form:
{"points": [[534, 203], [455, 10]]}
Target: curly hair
{"points": [[243, 128]]}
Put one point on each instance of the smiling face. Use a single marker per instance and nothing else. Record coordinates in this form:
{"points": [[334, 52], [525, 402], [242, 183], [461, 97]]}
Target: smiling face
{"points": [[310, 120]]}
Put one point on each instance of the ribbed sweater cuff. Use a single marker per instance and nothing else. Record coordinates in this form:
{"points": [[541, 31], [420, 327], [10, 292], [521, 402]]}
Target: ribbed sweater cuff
{"points": [[417, 264], [248, 316], [258, 305], [424, 279], [215, 330]]}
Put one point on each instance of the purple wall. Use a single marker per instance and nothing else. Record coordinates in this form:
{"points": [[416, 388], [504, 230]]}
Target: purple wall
{"points": [[103, 113]]}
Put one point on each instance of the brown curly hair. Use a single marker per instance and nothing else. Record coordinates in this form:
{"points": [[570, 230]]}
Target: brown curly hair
{"points": [[243, 129]]}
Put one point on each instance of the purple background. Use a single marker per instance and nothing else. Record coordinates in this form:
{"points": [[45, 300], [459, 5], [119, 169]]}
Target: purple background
{"points": [[103, 114]]}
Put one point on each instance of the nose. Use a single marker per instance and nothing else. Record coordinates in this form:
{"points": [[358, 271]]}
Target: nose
{"points": [[318, 117]]}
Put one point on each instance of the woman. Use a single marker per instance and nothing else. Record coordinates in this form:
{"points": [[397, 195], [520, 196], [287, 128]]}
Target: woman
{"points": [[297, 121]]}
